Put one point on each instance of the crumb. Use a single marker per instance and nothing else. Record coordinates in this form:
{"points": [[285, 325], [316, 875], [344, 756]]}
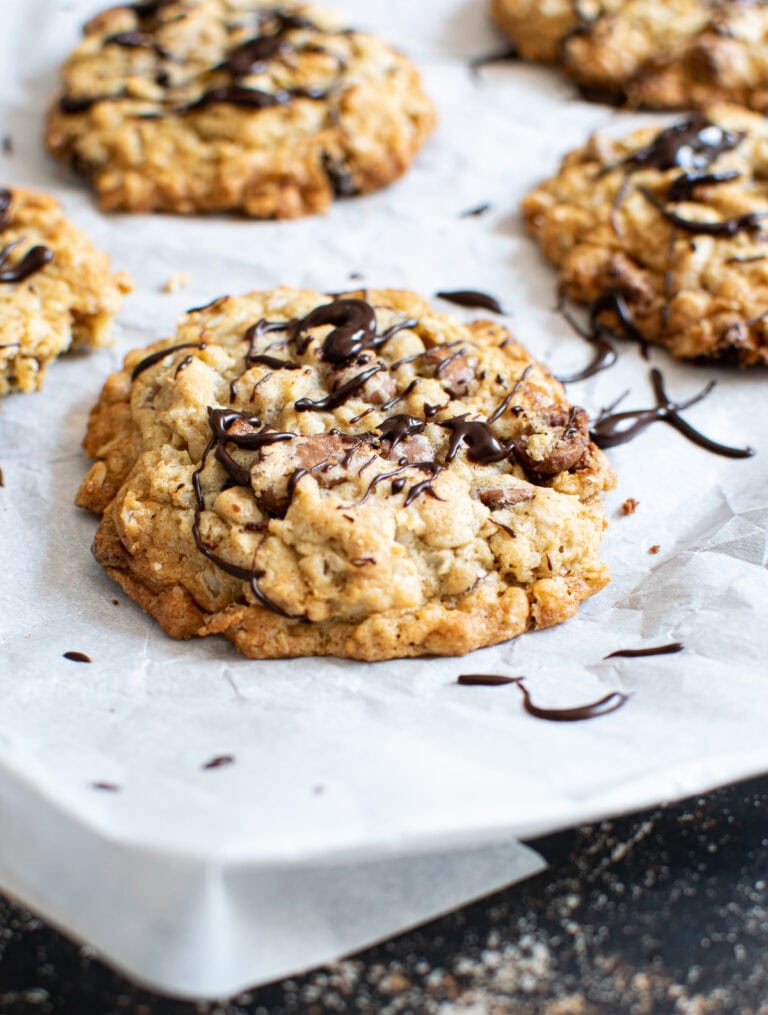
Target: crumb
{"points": [[356, 276], [629, 506], [654, 549], [115, 602], [179, 280], [318, 790], [108, 787], [2, 478], [7, 144]]}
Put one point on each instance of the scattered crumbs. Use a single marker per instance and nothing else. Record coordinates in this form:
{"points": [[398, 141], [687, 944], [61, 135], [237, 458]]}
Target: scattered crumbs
{"points": [[220, 761], [654, 549], [629, 506], [107, 787], [476, 212], [7, 144], [115, 602], [179, 280], [356, 276], [78, 657]]}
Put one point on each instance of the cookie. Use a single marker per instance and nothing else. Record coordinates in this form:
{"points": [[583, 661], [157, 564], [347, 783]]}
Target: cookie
{"points": [[663, 234], [56, 290], [235, 106], [660, 54], [356, 476]]}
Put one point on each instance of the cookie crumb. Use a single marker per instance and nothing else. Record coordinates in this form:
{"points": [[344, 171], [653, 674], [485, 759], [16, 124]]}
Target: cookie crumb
{"points": [[629, 506], [654, 549], [179, 280], [108, 787]]}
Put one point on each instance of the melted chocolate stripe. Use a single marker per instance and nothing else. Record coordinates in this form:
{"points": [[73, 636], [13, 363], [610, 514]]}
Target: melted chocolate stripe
{"points": [[341, 395], [604, 706], [472, 299], [751, 222], [157, 357], [639, 653], [608, 432]]}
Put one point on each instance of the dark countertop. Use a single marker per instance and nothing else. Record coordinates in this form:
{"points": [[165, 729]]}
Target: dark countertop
{"points": [[661, 912]]}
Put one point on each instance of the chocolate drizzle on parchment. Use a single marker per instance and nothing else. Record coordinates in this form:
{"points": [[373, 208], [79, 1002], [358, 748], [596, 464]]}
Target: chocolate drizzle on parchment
{"points": [[609, 703], [613, 428]]}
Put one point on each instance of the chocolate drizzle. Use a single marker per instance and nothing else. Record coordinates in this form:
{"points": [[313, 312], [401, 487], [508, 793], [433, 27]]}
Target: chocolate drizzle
{"points": [[248, 58], [639, 653], [693, 143], [77, 657], [341, 394], [609, 430], [483, 445], [683, 187], [397, 428], [604, 706], [34, 259], [473, 299], [157, 357], [751, 222], [246, 437]]}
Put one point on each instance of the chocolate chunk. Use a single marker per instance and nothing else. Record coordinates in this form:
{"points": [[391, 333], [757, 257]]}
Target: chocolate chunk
{"points": [[561, 443], [455, 369], [496, 498]]}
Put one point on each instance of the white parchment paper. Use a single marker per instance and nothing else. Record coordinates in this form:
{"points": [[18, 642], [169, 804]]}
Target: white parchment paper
{"points": [[363, 797]]}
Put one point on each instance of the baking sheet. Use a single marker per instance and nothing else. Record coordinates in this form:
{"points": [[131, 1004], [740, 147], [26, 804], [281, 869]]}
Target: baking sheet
{"points": [[343, 765]]}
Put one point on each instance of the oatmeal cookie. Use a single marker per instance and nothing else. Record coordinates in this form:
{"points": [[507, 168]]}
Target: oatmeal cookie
{"points": [[663, 234], [661, 54], [354, 475], [235, 105], [56, 290]]}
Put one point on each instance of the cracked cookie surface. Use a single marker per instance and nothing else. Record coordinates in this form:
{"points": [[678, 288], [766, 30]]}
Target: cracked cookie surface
{"points": [[235, 106], [659, 54], [357, 476], [664, 234], [57, 291]]}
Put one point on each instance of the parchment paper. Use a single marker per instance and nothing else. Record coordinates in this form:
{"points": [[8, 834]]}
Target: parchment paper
{"points": [[363, 797]]}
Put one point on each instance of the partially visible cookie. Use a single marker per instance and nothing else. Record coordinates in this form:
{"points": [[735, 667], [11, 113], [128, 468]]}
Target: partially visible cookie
{"points": [[56, 289], [356, 476], [235, 106], [663, 233], [661, 54]]}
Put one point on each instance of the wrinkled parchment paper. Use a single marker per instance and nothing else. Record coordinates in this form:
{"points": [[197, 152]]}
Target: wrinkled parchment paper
{"points": [[363, 797]]}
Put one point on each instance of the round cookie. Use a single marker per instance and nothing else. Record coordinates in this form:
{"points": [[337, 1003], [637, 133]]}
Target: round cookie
{"points": [[56, 290], [662, 234], [356, 476], [660, 54], [235, 105]]}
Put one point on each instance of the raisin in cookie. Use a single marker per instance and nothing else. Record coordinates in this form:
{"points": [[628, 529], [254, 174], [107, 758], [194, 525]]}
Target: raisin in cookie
{"points": [[660, 54], [663, 234], [235, 105], [355, 476], [56, 290]]}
